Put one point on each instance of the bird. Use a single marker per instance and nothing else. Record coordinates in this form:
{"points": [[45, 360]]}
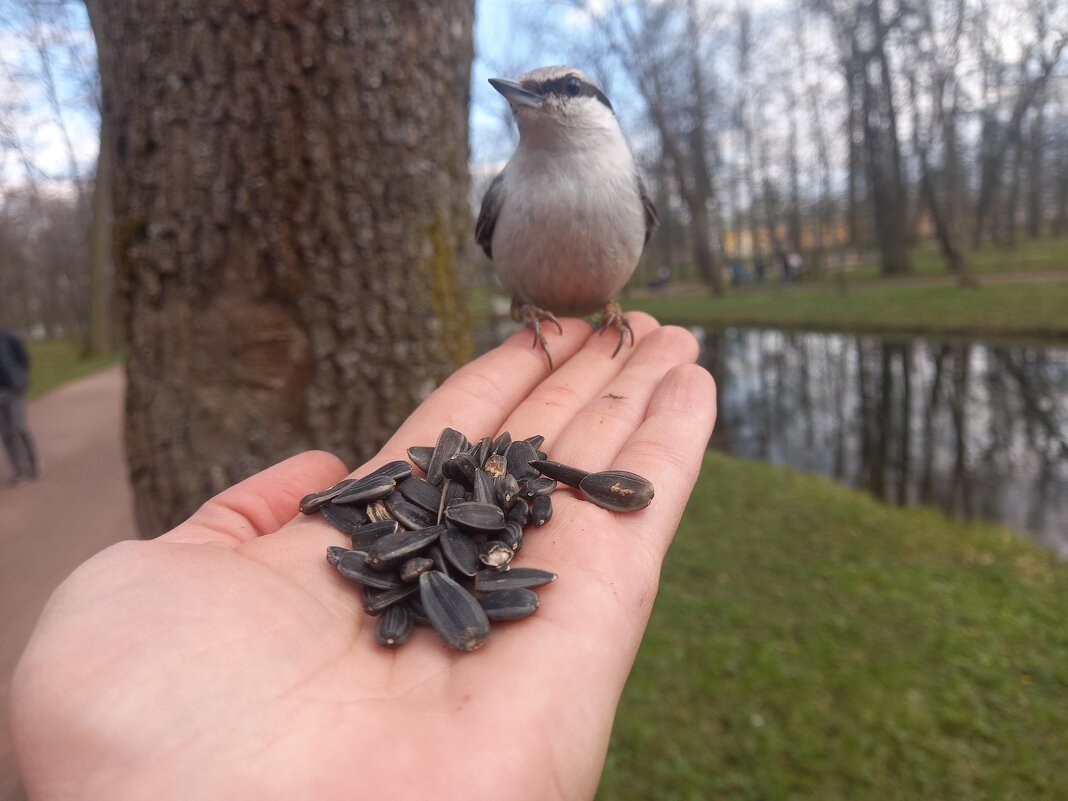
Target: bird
{"points": [[566, 220]]}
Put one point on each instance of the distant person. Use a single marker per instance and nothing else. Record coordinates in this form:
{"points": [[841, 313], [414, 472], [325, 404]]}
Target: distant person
{"points": [[795, 263], [784, 263], [14, 429], [759, 269]]}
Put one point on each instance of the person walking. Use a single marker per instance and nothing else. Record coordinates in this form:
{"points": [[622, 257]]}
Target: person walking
{"points": [[14, 428]]}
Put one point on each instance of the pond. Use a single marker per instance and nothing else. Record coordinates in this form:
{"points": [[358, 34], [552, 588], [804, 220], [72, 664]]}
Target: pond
{"points": [[977, 429]]}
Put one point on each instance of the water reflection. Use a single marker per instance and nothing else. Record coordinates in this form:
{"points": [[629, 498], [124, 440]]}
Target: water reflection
{"points": [[979, 430]]}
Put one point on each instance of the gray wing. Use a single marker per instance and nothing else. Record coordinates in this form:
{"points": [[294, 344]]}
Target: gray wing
{"points": [[487, 216], [652, 220]]}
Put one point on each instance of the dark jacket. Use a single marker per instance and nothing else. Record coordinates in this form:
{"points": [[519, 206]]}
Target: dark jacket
{"points": [[14, 363]]}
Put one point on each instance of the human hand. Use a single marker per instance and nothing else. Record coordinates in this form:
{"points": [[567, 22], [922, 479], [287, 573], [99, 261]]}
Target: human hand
{"points": [[227, 660]]}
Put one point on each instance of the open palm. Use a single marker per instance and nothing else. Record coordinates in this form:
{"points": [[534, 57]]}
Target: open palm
{"points": [[228, 660]]}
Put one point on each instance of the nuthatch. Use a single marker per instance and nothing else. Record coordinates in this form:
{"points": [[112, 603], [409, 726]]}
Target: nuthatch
{"points": [[566, 220]]}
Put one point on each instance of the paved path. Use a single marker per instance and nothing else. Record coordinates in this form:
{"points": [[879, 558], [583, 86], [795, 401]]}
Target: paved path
{"points": [[81, 504]]}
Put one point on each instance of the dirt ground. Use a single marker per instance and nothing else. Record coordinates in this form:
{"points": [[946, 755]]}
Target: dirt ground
{"points": [[80, 505]]}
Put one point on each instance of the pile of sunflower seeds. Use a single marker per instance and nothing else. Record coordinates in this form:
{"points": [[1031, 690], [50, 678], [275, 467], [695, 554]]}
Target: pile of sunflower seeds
{"points": [[438, 550]]}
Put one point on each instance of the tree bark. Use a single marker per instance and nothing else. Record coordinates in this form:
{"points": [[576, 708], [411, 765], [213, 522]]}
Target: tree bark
{"points": [[290, 199]]}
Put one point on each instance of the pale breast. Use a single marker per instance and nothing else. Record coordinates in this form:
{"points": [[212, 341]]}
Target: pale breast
{"points": [[569, 233]]}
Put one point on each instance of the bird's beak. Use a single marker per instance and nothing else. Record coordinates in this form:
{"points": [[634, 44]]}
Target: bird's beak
{"points": [[515, 94]]}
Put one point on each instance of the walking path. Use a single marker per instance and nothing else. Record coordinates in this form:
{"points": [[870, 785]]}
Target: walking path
{"points": [[81, 504]]}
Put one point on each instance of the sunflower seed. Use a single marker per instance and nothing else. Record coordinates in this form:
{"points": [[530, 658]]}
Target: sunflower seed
{"points": [[473, 516], [454, 613], [541, 510], [366, 490], [394, 626], [512, 536], [398, 470], [533, 487], [421, 492], [500, 445], [536, 441], [483, 491], [520, 454], [415, 567], [450, 441], [617, 490], [450, 491], [441, 563], [505, 489], [411, 516], [495, 554], [334, 553], [480, 450], [418, 612], [310, 504], [496, 465], [352, 566], [344, 518], [393, 550], [420, 456], [510, 604], [460, 550], [518, 512], [376, 601], [366, 536], [517, 577], [460, 467], [561, 472]]}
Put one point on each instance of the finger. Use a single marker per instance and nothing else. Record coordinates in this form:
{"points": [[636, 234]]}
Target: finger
{"points": [[260, 504], [554, 404], [596, 434], [477, 398], [668, 449]]}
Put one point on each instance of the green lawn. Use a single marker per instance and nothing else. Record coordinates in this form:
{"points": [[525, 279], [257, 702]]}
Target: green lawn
{"points": [[57, 361], [1034, 309], [811, 643]]}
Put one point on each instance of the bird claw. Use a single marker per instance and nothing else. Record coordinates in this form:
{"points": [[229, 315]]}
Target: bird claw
{"points": [[531, 315], [612, 315]]}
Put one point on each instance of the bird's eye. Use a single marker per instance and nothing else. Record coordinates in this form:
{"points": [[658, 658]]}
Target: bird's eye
{"points": [[573, 87]]}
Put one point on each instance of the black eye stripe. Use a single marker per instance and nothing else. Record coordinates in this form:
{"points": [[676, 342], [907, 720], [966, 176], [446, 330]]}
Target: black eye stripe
{"points": [[559, 88]]}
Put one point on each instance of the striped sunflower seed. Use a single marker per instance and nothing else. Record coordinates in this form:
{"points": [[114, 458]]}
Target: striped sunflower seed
{"points": [[533, 487], [393, 550], [310, 504], [352, 566], [421, 492], [563, 473], [377, 601], [517, 577], [476, 517], [366, 536], [541, 510], [460, 467], [510, 604], [483, 491], [397, 470], [519, 456], [460, 550], [394, 626], [454, 613], [617, 490], [411, 570], [344, 518], [500, 445], [450, 441], [421, 455], [366, 490]]}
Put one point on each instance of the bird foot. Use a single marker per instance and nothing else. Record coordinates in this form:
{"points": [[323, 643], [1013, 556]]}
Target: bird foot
{"points": [[612, 315], [531, 315]]}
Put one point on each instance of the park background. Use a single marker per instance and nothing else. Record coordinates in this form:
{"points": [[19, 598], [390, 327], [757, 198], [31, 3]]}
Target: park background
{"points": [[864, 213]]}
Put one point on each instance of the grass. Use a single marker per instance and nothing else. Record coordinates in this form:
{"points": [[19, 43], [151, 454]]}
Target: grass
{"points": [[811, 643], [1027, 309], [57, 361]]}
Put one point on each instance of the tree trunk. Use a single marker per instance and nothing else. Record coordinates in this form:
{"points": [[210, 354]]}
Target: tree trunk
{"points": [[1035, 174], [290, 199]]}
